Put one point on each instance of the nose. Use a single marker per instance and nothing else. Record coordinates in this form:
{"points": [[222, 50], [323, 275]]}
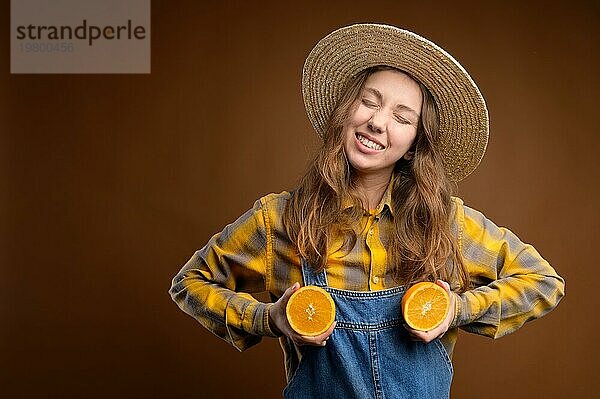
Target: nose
{"points": [[377, 122]]}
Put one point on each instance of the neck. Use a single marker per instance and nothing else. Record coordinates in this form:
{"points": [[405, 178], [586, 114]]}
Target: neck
{"points": [[371, 186]]}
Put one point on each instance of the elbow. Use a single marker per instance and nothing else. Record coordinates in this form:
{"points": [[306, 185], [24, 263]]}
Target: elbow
{"points": [[551, 293], [175, 288], [186, 275], [557, 285], [187, 284], [178, 286], [560, 289]]}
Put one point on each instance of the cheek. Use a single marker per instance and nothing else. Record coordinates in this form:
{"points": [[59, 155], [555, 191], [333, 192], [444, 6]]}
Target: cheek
{"points": [[359, 116], [348, 137], [404, 137]]}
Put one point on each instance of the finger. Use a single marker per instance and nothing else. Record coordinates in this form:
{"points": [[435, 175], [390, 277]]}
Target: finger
{"points": [[288, 293], [415, 337], [321, 338], [277, 311], [313, 342], [327, 333], [424, 336], [450, 313], [444, 285], [301, 340], [412, 333], [420, 335], [411, 330]]}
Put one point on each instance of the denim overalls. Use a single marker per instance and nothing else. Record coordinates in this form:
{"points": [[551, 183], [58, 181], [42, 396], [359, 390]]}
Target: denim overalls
{"points": [[369, 354]]}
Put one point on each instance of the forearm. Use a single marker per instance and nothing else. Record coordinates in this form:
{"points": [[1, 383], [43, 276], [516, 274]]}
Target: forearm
{"points": [[235, 317], [498, 309], [512, 283], [214, 285]]}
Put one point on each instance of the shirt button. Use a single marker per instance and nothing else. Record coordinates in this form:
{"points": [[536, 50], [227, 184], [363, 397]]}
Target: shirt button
{"points": [[375, 279]]}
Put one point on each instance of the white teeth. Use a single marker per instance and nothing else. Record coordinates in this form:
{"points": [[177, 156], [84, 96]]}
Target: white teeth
{"points": [[368, 143]]}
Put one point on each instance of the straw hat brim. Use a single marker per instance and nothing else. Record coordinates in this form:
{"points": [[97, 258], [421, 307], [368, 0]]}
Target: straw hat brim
{"points": [[464, 122]]}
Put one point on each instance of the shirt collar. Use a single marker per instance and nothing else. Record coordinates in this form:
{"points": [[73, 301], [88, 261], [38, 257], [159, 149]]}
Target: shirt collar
{"points": [[386, 201]]}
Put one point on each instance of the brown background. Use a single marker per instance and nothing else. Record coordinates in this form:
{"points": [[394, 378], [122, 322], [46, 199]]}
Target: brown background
{"points": [[110, 182]]}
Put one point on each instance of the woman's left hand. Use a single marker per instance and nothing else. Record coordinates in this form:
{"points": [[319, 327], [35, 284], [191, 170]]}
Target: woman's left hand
{"points": [[439, 331]]}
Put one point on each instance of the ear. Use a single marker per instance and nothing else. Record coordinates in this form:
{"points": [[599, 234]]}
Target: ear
{"points": [[409, 155]]}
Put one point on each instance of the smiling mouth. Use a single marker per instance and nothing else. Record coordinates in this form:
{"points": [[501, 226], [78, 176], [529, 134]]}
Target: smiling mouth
{"points": [[368, 143]]}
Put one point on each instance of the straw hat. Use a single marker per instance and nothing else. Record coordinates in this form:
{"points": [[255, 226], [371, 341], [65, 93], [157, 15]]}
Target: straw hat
{"points": [[464, 124]]}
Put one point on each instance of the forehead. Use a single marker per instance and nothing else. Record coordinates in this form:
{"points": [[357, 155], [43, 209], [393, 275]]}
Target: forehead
{"points": [[395, 86]]}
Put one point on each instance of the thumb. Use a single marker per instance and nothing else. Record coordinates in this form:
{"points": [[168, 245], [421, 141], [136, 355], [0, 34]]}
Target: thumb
{"points": [[444, 285], [288, 293]]}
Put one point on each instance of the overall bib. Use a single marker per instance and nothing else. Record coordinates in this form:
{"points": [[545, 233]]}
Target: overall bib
{"points": [[369, 354]]}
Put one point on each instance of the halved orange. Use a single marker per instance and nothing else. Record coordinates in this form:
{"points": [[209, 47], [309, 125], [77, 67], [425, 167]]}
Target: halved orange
{"points": [[425, 306], [310, 311]]}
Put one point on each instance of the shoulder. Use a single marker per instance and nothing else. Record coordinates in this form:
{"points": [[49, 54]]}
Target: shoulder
{"points": [[456, 202], [467, 221], [274, 199], [265, 207], [474, 224], [273, 206], [274, 202], [457, 212], [457, 217], [464, 212]]}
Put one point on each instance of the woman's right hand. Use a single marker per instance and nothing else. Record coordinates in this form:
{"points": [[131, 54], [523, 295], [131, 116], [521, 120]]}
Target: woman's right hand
{"points": [[280, 325]]}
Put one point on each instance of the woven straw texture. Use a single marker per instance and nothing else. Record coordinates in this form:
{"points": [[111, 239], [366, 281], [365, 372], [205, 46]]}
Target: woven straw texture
{"points": [[464, 123]]}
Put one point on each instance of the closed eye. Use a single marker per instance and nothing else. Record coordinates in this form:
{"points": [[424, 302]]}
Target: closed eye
{"points": [[369, 103], [402, 120]]}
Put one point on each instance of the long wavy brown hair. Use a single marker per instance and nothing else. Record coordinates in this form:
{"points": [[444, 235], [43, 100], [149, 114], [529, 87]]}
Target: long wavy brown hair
{"points": [[422, 246]]}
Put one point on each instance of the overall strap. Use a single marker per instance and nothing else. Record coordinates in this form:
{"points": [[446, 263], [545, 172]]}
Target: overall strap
{"points": [[311, 277]]}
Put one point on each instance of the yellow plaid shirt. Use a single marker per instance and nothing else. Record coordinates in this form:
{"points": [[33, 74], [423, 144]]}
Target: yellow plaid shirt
{"points": [[514, 284]]}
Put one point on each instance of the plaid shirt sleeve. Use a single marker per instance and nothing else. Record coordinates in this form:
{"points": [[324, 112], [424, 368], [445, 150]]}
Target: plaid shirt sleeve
{"points": [[209, 285], [513, 283]]}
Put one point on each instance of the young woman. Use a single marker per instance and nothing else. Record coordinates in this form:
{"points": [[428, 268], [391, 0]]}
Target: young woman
{"points": [[400, 121]]}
